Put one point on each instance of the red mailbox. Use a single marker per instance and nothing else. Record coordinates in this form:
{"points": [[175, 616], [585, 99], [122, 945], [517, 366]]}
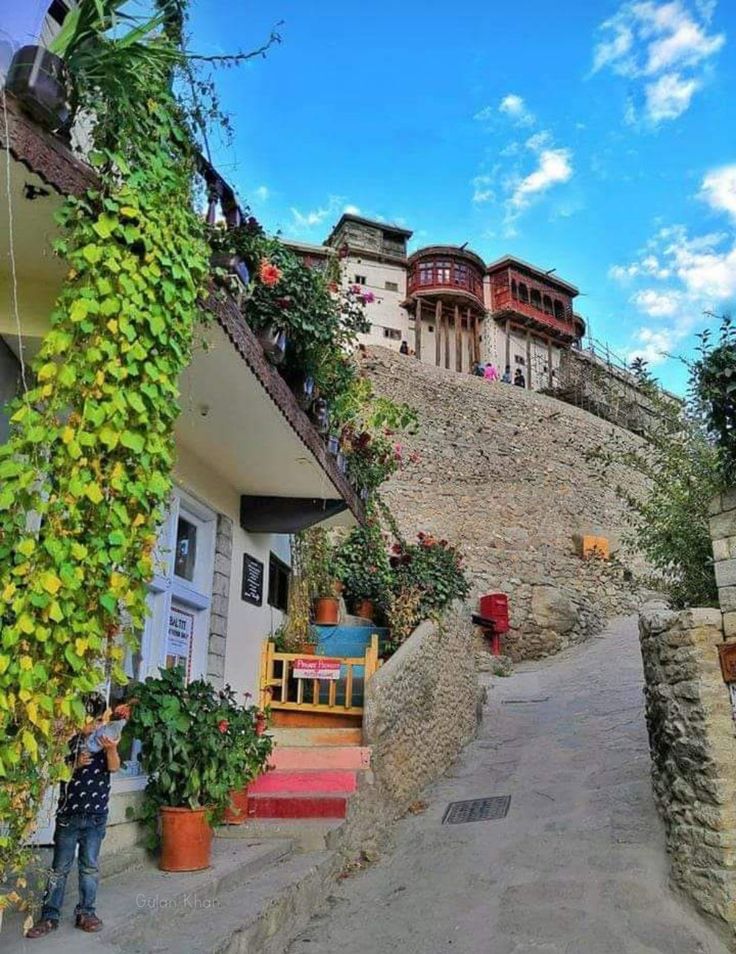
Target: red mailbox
{"points": [[493, 618]]}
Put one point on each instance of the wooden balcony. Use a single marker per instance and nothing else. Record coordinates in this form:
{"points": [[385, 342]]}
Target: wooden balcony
{"points": [[446, 270]]}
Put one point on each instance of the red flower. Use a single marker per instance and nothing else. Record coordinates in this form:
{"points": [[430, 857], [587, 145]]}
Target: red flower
{"points": [[268, 273], [122, 711], [260, 723], [223, 725]]}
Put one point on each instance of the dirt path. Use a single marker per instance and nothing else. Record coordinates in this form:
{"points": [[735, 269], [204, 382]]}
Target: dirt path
{"points": [[578, 866]]}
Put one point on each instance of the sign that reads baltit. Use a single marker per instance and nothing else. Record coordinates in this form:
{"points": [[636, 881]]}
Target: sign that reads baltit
{"points": [[316, 667]]}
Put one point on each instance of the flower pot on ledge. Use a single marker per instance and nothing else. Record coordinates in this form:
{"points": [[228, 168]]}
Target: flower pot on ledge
{"points": [[273, 342], [326, 611], [237, 812], [40, 81], [365, 609], [186, 839]]}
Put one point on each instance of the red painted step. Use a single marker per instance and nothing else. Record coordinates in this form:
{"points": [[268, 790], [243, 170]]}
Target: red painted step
{"points": [[297, 806], [304, 783], [309, 757]]}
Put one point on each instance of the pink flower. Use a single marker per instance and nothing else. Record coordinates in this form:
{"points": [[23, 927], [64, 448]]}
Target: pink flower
{"points": [[398, 450], [268, 273], [223, 725], [367, 297]]}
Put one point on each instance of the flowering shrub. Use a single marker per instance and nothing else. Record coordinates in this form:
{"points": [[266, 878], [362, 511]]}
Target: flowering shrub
{"points": [[321, 322], [434, 568], [197, 744], [361, 563]]}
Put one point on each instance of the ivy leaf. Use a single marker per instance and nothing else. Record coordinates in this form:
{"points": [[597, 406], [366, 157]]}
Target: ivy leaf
{"points": [[109, 436], [133, 441], [93, 492], [93, 253], [105, 225]]}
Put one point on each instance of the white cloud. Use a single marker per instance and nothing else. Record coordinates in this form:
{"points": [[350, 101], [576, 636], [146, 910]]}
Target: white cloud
{"points": [[719, 189], [335, 206], [683, 276], [482, 191], [654, 346], [554, 167], [262, 193], [512, 106], [666, 46], [669, 96]]}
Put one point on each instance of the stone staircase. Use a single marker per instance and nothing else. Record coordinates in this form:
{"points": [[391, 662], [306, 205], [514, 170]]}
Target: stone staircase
{"points": [[267, 878]]}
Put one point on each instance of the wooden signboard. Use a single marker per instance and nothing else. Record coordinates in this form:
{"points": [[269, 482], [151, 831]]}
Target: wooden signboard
{"points": [[727, 655], [252, 586], [316, 667]]}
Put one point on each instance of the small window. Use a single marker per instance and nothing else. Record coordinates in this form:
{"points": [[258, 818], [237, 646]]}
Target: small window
{"points": [[514, 289], [523, 292], [559, 310], [361, 280], [430, 329], [392, 286], [185, 555], [393, 333], [519, 360], [536, 298], [278, 583], [547, 305]]}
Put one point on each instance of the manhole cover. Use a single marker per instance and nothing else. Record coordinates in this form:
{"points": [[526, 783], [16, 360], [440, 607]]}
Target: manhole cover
{"points": [[477, 809]]}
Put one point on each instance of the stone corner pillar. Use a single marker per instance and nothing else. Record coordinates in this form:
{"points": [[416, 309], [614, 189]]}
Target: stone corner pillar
{"points": [[723, 536]]}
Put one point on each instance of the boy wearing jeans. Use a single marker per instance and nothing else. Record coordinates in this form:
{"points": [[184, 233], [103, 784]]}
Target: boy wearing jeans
{"points": [[80, 822]]}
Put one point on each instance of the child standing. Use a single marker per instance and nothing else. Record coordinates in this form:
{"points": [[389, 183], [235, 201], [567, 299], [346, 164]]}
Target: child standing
{"points": [[81, 817]]}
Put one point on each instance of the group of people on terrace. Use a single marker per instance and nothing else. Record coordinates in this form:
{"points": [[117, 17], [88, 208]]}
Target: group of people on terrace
{"points": [[489, 371]]}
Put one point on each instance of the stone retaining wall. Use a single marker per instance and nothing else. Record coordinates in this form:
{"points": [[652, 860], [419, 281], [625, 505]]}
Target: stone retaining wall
{"points": [[505, 474], [422, 706], [693, 748], [723, 535]]}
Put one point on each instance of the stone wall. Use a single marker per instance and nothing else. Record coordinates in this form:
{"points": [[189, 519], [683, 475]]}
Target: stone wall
{"points": [[422, 706], [503, 473], [693, 748]]}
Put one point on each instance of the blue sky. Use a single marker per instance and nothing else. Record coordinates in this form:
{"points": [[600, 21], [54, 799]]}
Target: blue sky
{"points": [[598, 139]]}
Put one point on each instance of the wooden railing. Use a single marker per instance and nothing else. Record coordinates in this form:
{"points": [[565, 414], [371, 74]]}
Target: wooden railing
{"points": [[280, 689]]}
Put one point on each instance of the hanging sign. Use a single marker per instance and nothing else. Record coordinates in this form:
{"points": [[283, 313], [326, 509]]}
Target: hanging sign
{"points": [[179, 639], [252, 586], [316, 667]]}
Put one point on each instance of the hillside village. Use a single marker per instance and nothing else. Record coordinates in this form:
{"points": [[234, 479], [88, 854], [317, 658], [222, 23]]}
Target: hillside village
{"points": [[335, 608]]}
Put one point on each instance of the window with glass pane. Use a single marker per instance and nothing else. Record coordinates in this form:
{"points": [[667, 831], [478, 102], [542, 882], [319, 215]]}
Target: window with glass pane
{"points": [[185, 556]]}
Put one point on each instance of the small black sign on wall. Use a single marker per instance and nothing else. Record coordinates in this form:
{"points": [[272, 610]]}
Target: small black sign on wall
{"points": [[252, 586]]}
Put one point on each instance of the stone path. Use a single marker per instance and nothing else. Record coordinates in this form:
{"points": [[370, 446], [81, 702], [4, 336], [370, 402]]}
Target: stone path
{"points": [[577, 867]]}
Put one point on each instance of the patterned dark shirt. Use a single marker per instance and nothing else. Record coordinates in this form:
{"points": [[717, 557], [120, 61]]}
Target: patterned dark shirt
{"points": [[88, 790]]}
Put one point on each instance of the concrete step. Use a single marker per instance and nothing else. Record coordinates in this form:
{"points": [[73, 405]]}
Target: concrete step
{"points": [[309, 757], [132, 905], [317, 782], [259, 916], [298, 806], [307, 834], [316, 737]]}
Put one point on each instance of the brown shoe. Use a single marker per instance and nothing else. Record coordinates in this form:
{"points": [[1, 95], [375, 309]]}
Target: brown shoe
{"points": [[41, 929], [89, 923]]}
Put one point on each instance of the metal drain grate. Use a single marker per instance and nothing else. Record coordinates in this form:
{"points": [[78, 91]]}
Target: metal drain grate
{"points": [[477, 809]]}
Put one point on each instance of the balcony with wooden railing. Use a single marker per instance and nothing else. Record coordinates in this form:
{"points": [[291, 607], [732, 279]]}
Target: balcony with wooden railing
{"points": [[534, 304], [446, 270]]}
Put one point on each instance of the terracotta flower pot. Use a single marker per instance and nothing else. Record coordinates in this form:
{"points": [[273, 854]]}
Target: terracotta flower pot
{"points": [[237, 812], [326, 611], [308, 649], [365, 609], [186, 839]]}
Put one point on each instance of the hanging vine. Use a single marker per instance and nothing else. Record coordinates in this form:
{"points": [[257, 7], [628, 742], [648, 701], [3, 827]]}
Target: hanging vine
{"points": [[86, 473]]}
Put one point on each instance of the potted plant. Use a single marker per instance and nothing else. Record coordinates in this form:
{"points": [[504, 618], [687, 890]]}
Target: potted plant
{"points": [[361, 563], [197, 746], [40, 81], [247, 731], [320, 572], [432, 568]]}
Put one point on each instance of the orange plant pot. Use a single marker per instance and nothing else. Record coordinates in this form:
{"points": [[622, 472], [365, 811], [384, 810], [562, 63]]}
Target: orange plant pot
{"points": [[326, 611], [237, 811], [365, 609], [186, 839]]}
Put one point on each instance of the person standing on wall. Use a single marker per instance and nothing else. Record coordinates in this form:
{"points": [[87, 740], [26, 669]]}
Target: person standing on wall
{"points": [[506, 376], [519, 379], [490, 373], [404, 349]]}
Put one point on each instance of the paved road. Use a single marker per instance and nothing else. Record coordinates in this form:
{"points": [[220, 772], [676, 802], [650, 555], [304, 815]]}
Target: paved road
{"points": [[577, 867]]}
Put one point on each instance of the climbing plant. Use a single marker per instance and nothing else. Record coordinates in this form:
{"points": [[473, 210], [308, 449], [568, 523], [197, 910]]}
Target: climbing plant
{"points": [[86, 473]]}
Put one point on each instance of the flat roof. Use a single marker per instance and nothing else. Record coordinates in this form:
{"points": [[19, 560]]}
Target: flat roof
{"points": [[376, 223], [310, 247], [546, 276]]}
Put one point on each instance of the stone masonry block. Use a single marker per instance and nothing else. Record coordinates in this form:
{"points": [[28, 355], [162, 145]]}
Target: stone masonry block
{"points": [[729, 624], [215, 666], [726, 573], [223, 564], [224, 526], [216, 645], [715, 506], [728, 499], [721, 549], [723, 525], [221, 584], [727, 598], [218, 624], [220, 605]]}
